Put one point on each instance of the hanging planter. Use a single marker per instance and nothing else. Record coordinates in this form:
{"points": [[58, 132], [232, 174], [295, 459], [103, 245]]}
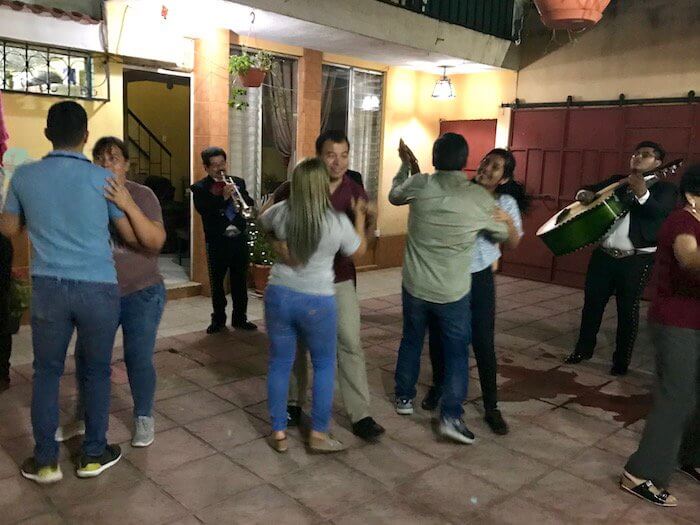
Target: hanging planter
{"points": [[251, 69], [571, 14]]}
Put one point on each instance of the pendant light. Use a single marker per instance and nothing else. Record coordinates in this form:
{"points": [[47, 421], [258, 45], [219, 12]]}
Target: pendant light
{"points": [[443, 89]]}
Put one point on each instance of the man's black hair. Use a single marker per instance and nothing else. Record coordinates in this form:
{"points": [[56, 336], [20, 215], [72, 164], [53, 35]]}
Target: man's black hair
{"points": [[66, 124], [450, 152], [211, 152], [334, 135]]}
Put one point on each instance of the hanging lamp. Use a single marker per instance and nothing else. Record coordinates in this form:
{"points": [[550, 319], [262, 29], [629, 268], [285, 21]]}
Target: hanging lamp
{"points": [[443, 89]]}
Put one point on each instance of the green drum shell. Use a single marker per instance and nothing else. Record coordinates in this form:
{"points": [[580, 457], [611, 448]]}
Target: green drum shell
{"points": [[586, 228]]}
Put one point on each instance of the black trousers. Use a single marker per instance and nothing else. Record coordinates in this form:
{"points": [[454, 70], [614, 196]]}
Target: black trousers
{"points": [[624, 278], [5, 278], [229, 256], [483, 306]]}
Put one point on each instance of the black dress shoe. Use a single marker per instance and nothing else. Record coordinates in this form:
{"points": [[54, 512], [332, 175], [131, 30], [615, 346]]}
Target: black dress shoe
{"points": [[245, 325], [618, 370], [215, 327], [293, 415], [496, 422], [431, 400], [576, 357], [691, 472], [367, 429]]}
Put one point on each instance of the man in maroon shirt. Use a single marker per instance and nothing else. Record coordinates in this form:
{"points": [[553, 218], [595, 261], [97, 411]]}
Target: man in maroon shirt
{"points": [[345, 186]]}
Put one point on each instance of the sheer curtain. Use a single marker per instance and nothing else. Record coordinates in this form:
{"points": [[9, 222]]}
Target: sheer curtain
{"points": [[328, 87], [245, 141], [364, 126], [279, 99]]}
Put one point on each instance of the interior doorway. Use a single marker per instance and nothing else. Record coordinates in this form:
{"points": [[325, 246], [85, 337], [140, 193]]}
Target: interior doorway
{"points": [[157, 132]]}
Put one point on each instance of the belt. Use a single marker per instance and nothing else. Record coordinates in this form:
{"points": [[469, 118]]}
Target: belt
{"points": [[620, 254]]}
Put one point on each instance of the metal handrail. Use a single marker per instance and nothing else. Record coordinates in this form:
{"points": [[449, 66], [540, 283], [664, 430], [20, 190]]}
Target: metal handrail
{"points": [[147, 152]]}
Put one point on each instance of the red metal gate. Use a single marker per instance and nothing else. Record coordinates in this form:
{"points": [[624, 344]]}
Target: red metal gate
{"points": [[560, 150], [480, 134]]}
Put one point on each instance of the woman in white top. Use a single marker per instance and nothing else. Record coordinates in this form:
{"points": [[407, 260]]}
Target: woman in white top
{"points": [[299, 299]]}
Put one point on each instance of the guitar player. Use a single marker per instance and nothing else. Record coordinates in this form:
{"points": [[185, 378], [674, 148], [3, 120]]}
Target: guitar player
{"points": [[622, 263]]}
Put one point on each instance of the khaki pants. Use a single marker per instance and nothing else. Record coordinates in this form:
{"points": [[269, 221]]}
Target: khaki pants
{"points": [[352, 371]]}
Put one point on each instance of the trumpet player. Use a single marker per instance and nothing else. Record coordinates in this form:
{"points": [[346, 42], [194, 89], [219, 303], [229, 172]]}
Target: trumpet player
{"points": [[224, 204]]}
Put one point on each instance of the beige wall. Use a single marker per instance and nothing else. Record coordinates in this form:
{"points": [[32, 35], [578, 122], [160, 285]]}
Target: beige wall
{"points": [[412, 114], [166, 112], [642, 48]]}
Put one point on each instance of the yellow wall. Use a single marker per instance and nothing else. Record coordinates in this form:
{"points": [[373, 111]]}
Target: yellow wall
{"points": [[644, 49], [412, 114], [25, 117], [166, 112]]}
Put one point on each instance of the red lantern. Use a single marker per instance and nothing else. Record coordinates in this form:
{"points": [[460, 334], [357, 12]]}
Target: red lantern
{"points": [[571, 14]]}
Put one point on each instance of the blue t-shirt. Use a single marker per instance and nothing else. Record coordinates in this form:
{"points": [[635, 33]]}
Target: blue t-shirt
{"points": [[486, 252], [61, 198]]}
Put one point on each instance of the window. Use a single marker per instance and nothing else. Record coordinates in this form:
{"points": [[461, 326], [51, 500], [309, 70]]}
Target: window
{"points": [[48, 71], [263, 135], [352, 101]]}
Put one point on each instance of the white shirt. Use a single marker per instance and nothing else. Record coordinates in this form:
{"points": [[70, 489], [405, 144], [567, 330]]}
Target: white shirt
{"points": [[619, 235]]}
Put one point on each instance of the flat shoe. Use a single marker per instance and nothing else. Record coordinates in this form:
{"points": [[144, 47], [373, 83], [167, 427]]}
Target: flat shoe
{"points": [[278, 445], [326, 445]]}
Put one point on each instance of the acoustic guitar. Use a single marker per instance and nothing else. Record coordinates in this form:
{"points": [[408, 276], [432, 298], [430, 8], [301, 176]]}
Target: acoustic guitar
{"points": [[580, 225]]}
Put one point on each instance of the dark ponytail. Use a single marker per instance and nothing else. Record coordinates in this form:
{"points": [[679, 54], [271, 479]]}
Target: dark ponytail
{"points": [[513, 188]]}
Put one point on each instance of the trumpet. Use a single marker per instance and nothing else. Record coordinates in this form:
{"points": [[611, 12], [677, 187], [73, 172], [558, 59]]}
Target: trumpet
{"points": [[239, 203]]}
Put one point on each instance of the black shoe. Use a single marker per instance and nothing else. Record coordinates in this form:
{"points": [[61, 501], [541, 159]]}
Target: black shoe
{"points": [[215, 327], [576, 357], [618, 370], [245, 325], [4, 383], [42, 474], [691, 472], [647, 490], [431, 400], [90, 467], [293, 416], [496, 423], [367, 429]]}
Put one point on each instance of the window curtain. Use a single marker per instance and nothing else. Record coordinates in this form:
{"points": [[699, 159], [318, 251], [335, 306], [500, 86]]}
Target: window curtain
{"points": [[329, 76], [279, 98], [364, 127]]}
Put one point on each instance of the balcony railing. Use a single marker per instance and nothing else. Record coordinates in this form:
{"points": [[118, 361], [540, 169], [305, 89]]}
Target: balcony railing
{"points": [[492, 17]]}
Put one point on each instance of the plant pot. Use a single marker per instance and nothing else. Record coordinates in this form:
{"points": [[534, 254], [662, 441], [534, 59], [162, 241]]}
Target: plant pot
{"points": [[253, 78], [571, 14], [261, 273]]}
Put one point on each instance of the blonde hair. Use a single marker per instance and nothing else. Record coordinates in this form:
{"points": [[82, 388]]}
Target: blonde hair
{"points": [[309, 200]]}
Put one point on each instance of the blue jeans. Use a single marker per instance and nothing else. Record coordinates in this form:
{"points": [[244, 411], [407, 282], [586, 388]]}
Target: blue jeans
{"points": [[289, 315], [453, 322], [58, 307], [139, 318]]}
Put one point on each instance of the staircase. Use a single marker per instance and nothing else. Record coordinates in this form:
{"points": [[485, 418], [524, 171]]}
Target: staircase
{"points": [[149, 156]]}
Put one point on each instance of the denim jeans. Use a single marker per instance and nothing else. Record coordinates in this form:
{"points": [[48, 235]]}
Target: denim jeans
{"points": [[483, 316], [453, 321], [139, 318], [58, 307], [289, 315]]}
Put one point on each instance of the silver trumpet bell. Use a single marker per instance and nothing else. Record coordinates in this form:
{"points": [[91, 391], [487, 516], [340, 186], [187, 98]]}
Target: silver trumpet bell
{"points": [[239, 204]]}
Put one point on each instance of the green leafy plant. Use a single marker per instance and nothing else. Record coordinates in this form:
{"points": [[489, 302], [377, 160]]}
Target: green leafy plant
{"points": [[237, 101], [261, 251], [241, 64]]}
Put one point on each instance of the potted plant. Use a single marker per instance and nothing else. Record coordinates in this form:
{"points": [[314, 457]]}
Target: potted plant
{"points": [[20, 295], [251, 69], [571, 14], [262, 256]]}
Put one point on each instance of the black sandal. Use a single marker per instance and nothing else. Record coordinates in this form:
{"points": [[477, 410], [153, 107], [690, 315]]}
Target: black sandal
{"points": [[691, 472], [648, 491]]}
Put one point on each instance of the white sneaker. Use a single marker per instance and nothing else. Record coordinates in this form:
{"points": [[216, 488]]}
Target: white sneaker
{"points": [[144, 431], [69, 431]]}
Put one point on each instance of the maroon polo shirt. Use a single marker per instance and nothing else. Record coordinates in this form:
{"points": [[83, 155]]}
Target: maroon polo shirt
{"points": [[341, 199]]}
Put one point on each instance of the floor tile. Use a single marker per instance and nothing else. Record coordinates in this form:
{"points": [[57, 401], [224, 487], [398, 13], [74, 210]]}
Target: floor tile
{"points": [[259, 458], [229, 429], [388, 510], [191, 407], [21, 499], [171, 449], [517, 511]]}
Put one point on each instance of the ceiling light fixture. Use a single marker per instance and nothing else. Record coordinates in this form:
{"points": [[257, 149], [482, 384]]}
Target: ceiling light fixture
{"points": [[443, 89]]}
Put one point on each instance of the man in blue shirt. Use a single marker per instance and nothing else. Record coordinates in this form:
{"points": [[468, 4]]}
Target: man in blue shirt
{"points": [[60, 201]]}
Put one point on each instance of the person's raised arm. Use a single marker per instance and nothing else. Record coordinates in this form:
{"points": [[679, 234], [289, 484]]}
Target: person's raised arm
{"points": [[148, 234]]}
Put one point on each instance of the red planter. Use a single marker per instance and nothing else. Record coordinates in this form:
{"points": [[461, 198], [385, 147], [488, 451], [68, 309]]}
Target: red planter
{"points": [[571, 14], [253, 78], [261, 273]]}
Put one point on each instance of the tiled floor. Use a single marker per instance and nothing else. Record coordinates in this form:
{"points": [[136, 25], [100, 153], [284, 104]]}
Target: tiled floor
{"points": [[571, 430]]}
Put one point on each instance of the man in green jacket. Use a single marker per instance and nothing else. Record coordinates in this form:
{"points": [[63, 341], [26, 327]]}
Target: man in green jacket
{"points": [[446, 213]]}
